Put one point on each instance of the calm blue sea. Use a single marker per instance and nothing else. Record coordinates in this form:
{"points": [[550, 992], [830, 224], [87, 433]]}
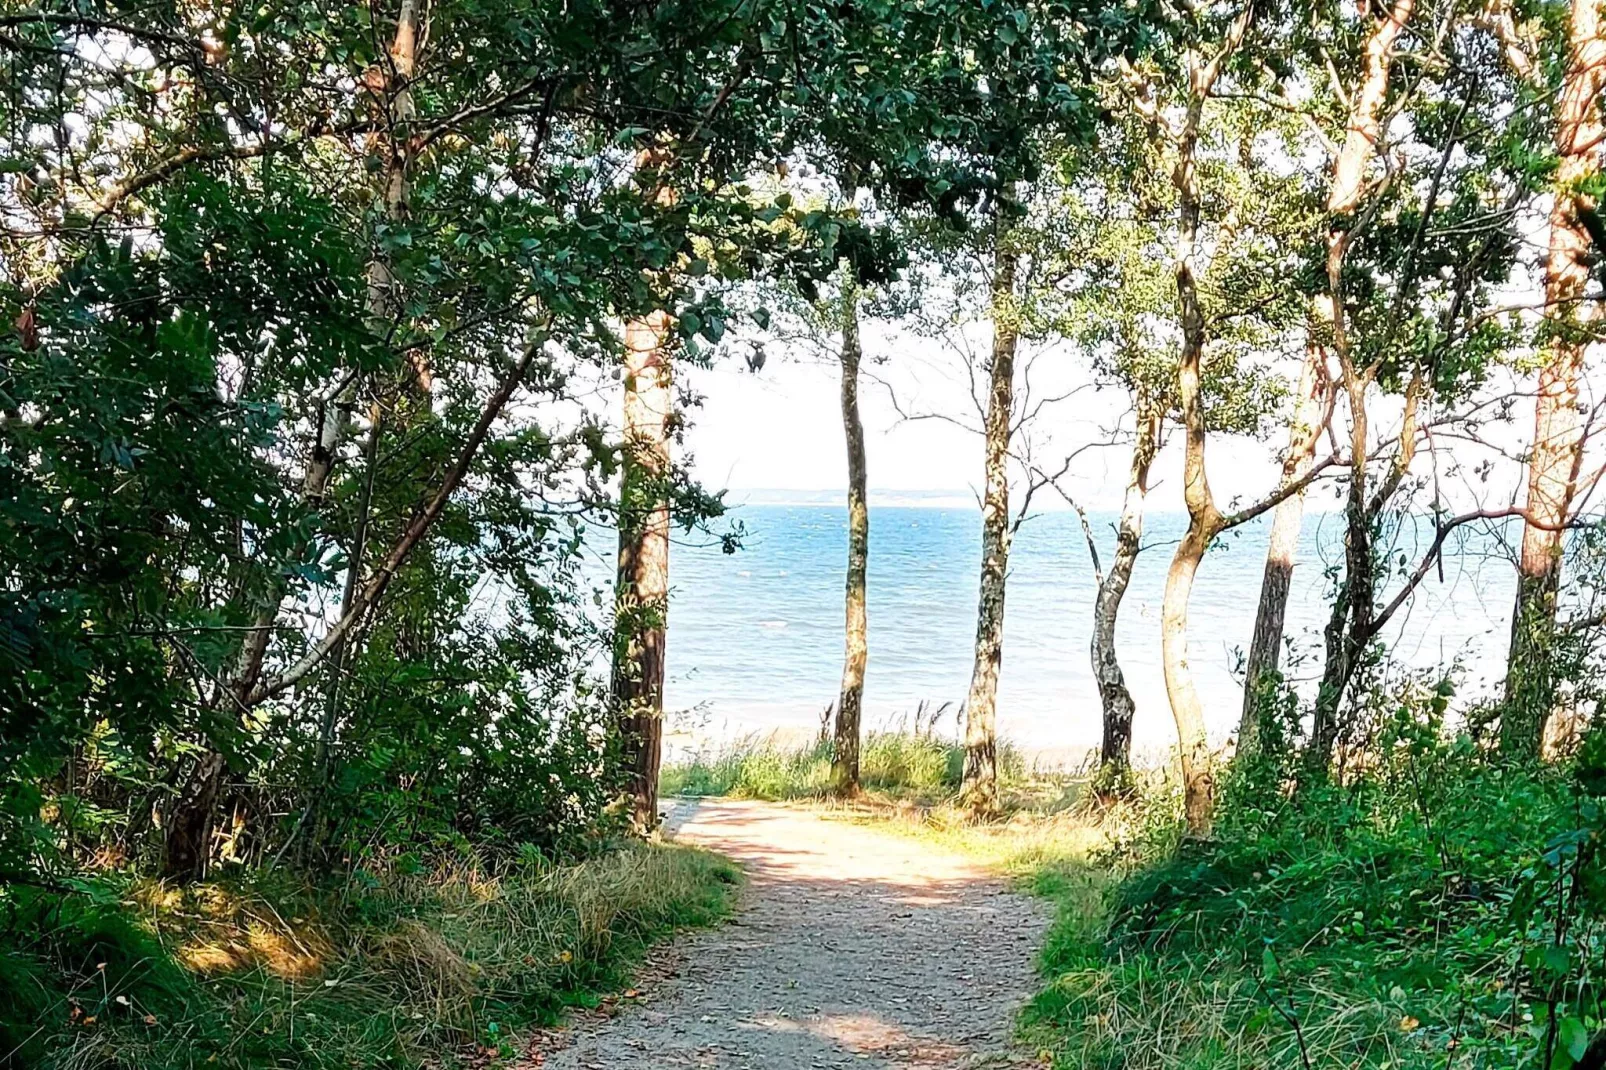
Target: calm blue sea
{"points": [[755, 637]]}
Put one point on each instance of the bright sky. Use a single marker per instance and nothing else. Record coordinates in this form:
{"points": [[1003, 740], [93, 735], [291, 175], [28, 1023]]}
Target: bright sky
{"points": [[780, 429]]}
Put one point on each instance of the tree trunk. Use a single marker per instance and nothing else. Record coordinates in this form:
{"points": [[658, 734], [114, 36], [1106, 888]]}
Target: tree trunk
{"points": [[1115, 749], [1282, 548], [1193, 744], [1204, 519], [1352, 606], [641, 600], [1349, 628], [1557, 446], [850, 703], [324, 756], [979, 789], [187, 850], [1354, 621], [1337, 667]]}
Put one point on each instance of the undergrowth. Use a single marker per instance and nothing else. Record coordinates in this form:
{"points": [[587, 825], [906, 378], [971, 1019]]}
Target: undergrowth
{"points": [[383, 969], [1432, 913]]}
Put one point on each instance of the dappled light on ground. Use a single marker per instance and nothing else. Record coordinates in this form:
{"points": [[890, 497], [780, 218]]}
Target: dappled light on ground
{"points": [[854, 946]]}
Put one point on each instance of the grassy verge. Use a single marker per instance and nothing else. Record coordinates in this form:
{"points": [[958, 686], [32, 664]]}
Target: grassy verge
{"points": [[1408, 927], [388, 969], [1431, 914]]}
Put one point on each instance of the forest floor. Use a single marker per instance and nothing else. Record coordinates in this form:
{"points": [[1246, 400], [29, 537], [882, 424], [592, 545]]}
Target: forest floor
{"points": [[851, 946]]}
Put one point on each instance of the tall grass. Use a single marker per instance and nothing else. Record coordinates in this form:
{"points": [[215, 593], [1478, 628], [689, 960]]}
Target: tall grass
{"points": [[387, 969], [902, 765]]}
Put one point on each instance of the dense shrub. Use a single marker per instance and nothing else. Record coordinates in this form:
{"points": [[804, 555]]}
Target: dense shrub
{"points": [[1441, 909]]}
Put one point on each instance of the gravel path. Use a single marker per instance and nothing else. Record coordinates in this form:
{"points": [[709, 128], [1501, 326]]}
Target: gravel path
{"points": [[852, 946]]}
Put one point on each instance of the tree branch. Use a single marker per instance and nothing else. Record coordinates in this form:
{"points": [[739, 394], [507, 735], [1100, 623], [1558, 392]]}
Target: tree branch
{"points": [[1243, 516], [410, 538]]}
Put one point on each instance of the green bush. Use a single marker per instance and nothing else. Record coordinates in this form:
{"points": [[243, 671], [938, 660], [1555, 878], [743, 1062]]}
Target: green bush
{"points": [[1442, 910]]}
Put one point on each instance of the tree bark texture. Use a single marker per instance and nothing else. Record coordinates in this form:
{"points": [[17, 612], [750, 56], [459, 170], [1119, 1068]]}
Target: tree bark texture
{"points": [[1198, 777], [1193, 744], [1115, 747], [979, 788], [641, 598], [1204, 519], [850, 702], [1554, 459]]}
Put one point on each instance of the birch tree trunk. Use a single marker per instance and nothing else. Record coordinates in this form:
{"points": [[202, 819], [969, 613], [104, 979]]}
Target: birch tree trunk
{"points": [[641, 596], [188, 844], [1115, 748], [979, 788], [1282, 547], [1554, 460], [850, 702]]}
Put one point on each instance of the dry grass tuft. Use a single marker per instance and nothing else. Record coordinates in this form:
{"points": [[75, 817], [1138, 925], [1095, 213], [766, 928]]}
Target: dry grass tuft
{"points": [[418, 960], [387, 969]]}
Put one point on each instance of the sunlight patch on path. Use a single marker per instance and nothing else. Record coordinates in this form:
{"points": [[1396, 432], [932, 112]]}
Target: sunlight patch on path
{"points": [[852, 947]]}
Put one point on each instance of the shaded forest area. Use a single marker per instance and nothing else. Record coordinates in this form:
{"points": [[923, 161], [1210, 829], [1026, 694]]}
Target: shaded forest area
{"points": [[327, 334]]}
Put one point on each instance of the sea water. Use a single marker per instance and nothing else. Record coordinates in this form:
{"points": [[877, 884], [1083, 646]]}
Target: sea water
{"points": [[755, 637]]}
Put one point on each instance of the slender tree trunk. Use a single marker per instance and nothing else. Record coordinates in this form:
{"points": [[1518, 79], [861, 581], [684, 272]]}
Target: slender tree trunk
{"points": [[1193, 744], [979, 789], [1349, 627], [850, 703], [1115, 748], [1204, 519], [1353, 621], [641, 604], [1282, 548], [357, 551], [188, 846], [324, 757], [1557, 446], [1353, 603], [1198, 774]]}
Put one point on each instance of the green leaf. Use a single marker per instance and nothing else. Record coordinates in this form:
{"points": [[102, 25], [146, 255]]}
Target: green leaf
{"points": [[1572, 1037]]}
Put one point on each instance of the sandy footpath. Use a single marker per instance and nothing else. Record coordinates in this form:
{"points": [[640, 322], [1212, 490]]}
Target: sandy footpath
{"points": [[852, 946]]}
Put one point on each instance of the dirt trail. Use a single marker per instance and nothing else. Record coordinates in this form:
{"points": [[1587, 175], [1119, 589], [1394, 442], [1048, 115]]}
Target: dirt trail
{"points": [[852, 946]]}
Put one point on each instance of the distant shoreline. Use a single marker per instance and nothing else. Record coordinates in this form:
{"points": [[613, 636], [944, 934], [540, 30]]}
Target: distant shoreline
{"points": [[893, 498]]}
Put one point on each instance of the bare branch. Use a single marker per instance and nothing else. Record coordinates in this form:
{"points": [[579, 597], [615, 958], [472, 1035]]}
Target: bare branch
{"points": [[1437, 548], [1287, 490]]}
